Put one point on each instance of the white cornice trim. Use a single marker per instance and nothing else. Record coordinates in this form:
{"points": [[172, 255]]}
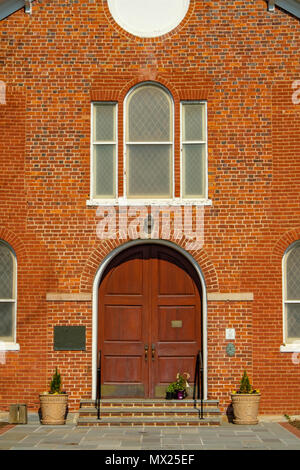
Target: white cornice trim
{"points": [[292, 6], [8, 7]]}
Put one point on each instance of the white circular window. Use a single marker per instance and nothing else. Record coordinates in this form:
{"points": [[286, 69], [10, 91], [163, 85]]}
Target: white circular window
{"points": [[148, 18]]}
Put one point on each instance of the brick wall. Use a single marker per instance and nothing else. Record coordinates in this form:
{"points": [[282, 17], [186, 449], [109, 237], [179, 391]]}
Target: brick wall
{"points": [[243, 61]]}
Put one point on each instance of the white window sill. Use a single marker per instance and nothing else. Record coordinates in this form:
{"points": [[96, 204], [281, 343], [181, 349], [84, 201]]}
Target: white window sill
{"points": [[9, 346], [293, 347], [149, 202]]}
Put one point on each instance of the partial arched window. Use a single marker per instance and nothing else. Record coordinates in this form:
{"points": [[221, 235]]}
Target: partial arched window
{"points": [[149, 142], [291, 292], [8, 290]]}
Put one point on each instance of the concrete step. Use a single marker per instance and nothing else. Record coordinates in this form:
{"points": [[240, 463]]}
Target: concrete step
{"points": [[151, 403], [147, 421], [146, 411], [149, 412]]}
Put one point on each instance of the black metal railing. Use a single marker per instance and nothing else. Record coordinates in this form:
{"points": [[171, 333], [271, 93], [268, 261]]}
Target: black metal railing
{"points": [[198, 384], [98, 392]]}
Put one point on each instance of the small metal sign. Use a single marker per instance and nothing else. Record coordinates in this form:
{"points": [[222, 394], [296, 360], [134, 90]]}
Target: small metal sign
{"points": [[176, 323], [230, 349]]}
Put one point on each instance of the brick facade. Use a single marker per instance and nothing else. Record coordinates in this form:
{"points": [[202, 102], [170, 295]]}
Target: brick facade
{"points": [[240, 58]]}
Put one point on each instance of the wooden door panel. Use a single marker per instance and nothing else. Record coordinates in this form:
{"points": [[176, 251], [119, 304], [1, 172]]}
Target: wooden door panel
{"points": [[177, 323], [125, 349], [172, 276], [127, 277], [170, 349], [168, 367], [123, 323], [123, 369], [176, 317]]}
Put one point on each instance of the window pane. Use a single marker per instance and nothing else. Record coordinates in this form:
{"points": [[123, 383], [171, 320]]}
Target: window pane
{"points": [[104, 122], [293, 320], [293, 274], [149, 170], [193, 163], [149, 116], [194, 127], [6, 320], [6, 272], [104, 158]]}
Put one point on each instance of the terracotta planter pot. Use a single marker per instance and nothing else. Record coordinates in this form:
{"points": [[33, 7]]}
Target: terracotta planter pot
{"points": [[53, 408], [245, 408]]}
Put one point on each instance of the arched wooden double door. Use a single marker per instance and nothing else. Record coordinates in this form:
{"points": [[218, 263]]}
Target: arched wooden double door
{"points": [[149, 324]]}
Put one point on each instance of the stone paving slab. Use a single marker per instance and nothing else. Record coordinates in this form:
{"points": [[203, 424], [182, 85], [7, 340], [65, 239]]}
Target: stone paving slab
{"points": [[264, 436]]}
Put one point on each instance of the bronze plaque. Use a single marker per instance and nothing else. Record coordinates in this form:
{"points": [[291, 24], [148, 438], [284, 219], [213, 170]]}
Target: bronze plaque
{"points": [[176, 323], [69, 338]]}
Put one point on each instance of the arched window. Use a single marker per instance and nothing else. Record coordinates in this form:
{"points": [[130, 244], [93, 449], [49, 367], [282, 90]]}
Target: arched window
{"points": [[149, 142], [291, 292], [8, 289]]}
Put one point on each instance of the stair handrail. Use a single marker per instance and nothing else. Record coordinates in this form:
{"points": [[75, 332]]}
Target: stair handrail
{"points": [[98, 392], [198, 379]]}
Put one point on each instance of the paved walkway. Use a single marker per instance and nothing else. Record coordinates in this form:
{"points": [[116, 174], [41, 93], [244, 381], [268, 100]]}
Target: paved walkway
{"points": [[263, 436]]}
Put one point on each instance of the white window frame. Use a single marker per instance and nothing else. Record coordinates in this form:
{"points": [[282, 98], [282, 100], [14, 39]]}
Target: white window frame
{"points": [[182, 143], [10, 344], [295, 345], [124, 200], [92, 158]]}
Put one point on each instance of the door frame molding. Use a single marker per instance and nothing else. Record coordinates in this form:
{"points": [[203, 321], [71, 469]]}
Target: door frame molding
{"points": [[96, 284]]}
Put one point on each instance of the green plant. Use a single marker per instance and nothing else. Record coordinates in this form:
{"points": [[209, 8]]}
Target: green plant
{"points": [[245, 385], [55, 386], [180, 383], [172, 387]]}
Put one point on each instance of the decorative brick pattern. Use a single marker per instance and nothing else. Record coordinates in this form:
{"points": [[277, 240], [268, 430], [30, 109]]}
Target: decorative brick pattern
{"points": [[243, 61]]}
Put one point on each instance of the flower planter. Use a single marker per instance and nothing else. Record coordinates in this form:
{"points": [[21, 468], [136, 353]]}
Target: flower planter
{"points": [[245, 407], [180, 394], [53, 408]]}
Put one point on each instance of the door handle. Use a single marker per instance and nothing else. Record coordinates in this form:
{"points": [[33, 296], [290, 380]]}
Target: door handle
{"points": [[153, 351], [146, 352]]}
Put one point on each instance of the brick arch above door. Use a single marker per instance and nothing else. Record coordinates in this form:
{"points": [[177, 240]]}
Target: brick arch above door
{"points": [[103, 250]]}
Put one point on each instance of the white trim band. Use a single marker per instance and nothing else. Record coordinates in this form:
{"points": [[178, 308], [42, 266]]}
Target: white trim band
{"points": [[149, 202], [211, 297], [62, 297], [290, 348], [233, 297], [9, 346]]}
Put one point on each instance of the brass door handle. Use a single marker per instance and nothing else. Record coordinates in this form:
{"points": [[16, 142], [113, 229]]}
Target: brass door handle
{"points": [[153, 352], [146, 352]]}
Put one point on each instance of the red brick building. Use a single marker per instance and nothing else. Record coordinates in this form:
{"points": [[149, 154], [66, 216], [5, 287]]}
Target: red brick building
{"points": [[149, 197]]}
